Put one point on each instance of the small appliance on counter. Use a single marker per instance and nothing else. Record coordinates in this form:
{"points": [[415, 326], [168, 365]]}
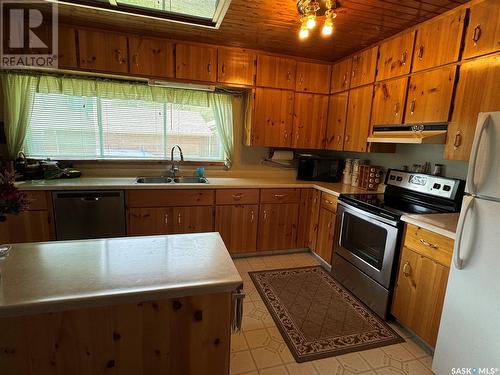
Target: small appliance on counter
{"points": [[319, 168], [32, 169]]}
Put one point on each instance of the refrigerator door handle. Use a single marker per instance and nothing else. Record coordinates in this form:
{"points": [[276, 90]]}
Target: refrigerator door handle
{"points": [[471, 173], [457, 260]]}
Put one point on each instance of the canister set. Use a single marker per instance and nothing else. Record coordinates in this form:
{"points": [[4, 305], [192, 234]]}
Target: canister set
{"points": [[358, 173]]}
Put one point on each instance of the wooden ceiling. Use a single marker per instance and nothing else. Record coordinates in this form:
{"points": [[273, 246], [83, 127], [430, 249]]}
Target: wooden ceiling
{"points": [[273, 25]]}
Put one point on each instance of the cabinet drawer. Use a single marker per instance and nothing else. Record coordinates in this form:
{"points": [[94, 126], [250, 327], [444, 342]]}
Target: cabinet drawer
{"points": [[237, 196], [37, 200], [162, 198], [280, 195], [329, 202], [429, 244]]}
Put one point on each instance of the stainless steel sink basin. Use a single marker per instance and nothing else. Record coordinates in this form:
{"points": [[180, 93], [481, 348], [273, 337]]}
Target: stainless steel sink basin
{"points": [[170, 180]]}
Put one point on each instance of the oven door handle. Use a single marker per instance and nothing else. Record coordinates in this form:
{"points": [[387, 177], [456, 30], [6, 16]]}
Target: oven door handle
{"points": [[367, 215]]}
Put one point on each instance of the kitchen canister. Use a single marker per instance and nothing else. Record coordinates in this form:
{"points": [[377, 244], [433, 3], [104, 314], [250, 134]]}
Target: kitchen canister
{"points": [[347, 172]]}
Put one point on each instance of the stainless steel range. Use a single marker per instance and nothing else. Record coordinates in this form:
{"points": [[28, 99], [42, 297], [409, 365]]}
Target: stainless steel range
{"points": [[368, 231]]}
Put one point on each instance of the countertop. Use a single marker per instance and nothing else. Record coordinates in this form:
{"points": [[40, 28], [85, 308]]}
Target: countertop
{"points": [[54, 276], [444, 224], [102, 183]]}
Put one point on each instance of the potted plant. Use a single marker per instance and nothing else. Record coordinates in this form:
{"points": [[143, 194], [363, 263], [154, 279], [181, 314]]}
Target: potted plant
{"points": [[12, 200]]}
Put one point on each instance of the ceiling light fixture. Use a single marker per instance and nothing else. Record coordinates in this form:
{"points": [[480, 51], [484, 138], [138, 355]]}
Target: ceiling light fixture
{"points": [[310, 11]]}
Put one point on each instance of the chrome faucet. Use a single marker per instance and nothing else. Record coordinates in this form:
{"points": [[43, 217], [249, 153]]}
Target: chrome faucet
{"points": [[175, 168]]}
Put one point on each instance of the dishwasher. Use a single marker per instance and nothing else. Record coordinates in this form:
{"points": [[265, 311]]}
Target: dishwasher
{"points": [[89, 214]]}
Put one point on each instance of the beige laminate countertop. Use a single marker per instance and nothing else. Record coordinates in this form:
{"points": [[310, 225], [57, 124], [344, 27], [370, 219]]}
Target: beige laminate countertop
{"points": [[95, 183], [55, 276], [444, 224]]}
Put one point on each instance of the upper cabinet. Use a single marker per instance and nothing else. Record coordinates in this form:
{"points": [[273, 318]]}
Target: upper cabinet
{"points": [[358, 119], [151, 57], [103, 51], [438, 41], [196, 62], [66, 56], [395, 56], [429, 95], [337, 114], [341, 75], [477, 91], [483, 32], [313, 78], [275, 71], [389, 100], [309, 120], [236, 66], [364, 65]]}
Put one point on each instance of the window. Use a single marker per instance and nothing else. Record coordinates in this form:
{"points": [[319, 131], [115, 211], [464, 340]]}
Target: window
{"points": [[74, 127]]}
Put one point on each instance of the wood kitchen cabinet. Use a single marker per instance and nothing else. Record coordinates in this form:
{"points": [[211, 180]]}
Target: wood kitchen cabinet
{"points": [[103, 51], [309, 120], [66, 56], [313, 78], [438, 41], [307, 197], [337, 116], [358, 119], [483, 32], [193, 219], [326, 227], [341, 76], [389, 99], [364, 65], [237, 225], [196, 62], [429, 95], [236, 66], [151, 57], [477, 91], [395, 56], [273, 118], [314, 220], [277, 226], [276, 72]]}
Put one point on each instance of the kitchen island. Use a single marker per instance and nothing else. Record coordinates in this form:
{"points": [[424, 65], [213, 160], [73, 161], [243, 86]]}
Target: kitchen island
{"points": [[136, 305]]}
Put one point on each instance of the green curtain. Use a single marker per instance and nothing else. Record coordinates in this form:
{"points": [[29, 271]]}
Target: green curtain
{"points": [[223, 111], [18, 95]]}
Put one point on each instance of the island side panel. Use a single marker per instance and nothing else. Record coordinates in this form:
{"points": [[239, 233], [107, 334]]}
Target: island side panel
{"points": [[189, 335]]}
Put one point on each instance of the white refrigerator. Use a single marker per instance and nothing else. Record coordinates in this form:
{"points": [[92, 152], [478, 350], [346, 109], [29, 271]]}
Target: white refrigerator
{"points": [[469, 334]]}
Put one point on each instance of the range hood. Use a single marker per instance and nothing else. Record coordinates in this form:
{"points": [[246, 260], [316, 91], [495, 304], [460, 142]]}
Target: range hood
{"points": [[410, 134]]}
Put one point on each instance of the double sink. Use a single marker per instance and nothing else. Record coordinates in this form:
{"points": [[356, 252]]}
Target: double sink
{"points": [[171, 180]]}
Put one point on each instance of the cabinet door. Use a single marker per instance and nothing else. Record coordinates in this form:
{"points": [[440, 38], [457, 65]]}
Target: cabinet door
{"points": [[193, 219], [277, 226], [483, 32], [326, 230], [314, 78], [236, 66], [477, 91], [103, 51], [151, 57], [395, 56], [273, 118], [314, 222], [309, 121], [364, 65], [337, 114], [389, 100], [429, 95], [275, 71], [358, 119], [341, 75], [419, 294], [438, 41], [196, 62], [28, 226], [305, 212], [67, 47], [237, 226], [150, 221]]}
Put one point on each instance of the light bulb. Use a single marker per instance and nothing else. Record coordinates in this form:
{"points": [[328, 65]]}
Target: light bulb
{"points": [[327, 28], [311, 22], [303, 33]]}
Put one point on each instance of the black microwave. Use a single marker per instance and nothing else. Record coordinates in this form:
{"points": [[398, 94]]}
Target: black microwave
{"points": [[319, 168]]}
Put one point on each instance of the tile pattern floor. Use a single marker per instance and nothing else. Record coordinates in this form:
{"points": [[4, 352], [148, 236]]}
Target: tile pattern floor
{"points": [[260, 348]]}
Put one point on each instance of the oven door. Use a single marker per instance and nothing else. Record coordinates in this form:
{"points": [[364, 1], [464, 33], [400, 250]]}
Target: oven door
{"points": [[366, 241]]}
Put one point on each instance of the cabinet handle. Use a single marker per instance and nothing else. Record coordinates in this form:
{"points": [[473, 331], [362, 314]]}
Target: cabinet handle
{"points": [[404, 55], [166, 219], [477, 34], [347, 138], [329, 225], [209, 67], [223, 69], [412, 107], [301, 79], [135, 59], [237, 197], [286, 135], [279, 196], [421, 52], [179, 218], [396, 108], [338, 138], [288, 76], [328, 202], [458, 140], [344, 80], [385, 91], [426, 243], [407, 269], [353, 73], [265, 214], [252, 216], [119, 56]]}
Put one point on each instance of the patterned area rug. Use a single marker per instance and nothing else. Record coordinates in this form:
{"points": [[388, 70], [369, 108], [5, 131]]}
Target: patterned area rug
{"points": [[317, 316]]}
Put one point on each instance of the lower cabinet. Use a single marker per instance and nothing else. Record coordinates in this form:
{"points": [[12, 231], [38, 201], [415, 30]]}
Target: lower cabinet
{"points": [[307, 197], [278, 226], [326, 230], [314, 222], [237, 225]]}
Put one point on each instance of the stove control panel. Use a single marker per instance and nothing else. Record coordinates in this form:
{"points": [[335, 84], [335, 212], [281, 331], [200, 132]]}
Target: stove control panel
{"points": [[424, 183]]}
